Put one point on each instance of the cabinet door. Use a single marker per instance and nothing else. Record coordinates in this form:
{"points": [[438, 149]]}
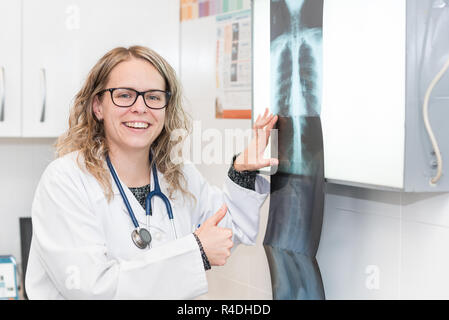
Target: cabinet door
{"points": [[10, 72], [63, 39]]}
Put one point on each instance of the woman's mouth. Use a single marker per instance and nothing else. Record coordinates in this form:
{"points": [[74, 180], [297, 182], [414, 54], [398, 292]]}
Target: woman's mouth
{"points": [[136, 125]]}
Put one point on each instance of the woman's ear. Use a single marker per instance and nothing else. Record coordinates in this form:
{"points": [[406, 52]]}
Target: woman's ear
{"points": [[97, 108]]}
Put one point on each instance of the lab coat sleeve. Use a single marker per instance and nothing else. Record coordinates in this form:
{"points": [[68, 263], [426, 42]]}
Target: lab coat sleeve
{"points": [[243, 205], [70, 243]]}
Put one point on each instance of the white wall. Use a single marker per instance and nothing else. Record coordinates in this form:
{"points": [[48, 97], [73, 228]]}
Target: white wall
{"points": [[384, 245]]}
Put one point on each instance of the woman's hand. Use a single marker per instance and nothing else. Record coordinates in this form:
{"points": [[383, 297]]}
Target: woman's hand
{"points": [[252, 158], [216, 241]]}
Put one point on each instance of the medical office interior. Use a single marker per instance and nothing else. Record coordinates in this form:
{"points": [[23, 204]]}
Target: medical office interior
{"points": [[374, 102]]}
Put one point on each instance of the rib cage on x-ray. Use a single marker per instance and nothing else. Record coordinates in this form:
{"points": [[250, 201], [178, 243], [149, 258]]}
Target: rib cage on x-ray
{"points": [[296, 79], [297, 189], [298, 73]]}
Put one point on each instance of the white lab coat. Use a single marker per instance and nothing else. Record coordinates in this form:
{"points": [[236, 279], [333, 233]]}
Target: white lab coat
{"points": [[82, 248]]}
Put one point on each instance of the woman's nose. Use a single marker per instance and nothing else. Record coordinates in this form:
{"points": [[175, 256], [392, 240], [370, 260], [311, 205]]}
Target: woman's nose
{"points": [[139, 105]]}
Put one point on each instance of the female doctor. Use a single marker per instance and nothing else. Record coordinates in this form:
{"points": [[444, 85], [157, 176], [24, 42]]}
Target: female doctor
{"points": [[113, 216]]}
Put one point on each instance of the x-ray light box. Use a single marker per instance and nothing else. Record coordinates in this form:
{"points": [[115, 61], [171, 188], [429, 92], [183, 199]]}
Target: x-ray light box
{"points": [[382, 65]]}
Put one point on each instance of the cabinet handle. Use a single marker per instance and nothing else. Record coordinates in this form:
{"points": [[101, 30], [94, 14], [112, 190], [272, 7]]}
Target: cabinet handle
{"points": [[44, 94], [2, 102]]}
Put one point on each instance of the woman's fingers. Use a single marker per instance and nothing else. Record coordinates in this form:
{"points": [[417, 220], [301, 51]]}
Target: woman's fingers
{"points": [[261, 135], [265, 115], [267, 162], [262, 122], [254, 152], [270, 125], [272, 122]]}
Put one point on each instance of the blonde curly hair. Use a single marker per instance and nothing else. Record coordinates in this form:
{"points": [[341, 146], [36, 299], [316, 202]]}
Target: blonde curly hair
{"points": [[86, 133]]}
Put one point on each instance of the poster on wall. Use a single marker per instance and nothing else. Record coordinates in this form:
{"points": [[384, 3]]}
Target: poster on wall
{"points": [[195, 9], [233, 66], [297, 189]]}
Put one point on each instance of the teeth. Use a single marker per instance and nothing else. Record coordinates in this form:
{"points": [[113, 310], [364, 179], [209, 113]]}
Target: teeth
{"points": [[136, 124]]}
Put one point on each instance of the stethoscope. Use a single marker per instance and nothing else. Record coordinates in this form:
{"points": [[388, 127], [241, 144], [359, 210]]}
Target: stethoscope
{"points": [[142, 236]]}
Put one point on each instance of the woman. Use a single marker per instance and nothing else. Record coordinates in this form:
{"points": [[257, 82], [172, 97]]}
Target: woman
{"points": [[87, 242]]}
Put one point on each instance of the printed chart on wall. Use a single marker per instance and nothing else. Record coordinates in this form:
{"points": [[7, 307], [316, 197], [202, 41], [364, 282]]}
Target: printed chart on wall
{"points": [[233, 66], [194, 9]]}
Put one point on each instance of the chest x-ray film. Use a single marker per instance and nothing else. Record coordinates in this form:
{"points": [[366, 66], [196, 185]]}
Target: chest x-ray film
{"points": [[297, 189]]}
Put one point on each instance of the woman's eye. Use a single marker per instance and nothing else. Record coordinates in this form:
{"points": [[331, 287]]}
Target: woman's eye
{"points": [[153, 98]]}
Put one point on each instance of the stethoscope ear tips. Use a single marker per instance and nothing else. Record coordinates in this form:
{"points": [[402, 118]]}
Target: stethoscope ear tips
{"points": [[141, 237]]}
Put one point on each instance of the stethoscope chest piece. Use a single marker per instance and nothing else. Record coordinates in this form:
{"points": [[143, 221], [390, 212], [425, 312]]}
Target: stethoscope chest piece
{"points": [[141, 238]]}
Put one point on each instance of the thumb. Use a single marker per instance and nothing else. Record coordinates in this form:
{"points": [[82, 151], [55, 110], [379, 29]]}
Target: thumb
{"points": [[219, 215]]}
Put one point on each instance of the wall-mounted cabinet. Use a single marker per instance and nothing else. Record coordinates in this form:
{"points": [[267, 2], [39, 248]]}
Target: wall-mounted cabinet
{"points": [[56, 42], [379, 60], [10, 93]]}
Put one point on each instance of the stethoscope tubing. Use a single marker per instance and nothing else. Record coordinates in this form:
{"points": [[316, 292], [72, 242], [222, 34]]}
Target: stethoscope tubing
{"points": [[122, 193], [148, 208]]}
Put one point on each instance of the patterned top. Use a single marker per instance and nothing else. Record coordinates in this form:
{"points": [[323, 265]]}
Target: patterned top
{"points": [[245, 179], [141, 193]]}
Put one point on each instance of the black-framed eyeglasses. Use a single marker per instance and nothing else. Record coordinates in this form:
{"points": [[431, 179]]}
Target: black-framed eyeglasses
{"points": [[126, 97]]}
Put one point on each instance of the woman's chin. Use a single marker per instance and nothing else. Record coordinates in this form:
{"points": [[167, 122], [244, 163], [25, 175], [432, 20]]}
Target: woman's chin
{"points": [[137, 145]]}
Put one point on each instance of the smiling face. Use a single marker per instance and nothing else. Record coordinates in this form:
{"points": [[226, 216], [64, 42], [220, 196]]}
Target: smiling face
{"points": [[135, 127]]}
